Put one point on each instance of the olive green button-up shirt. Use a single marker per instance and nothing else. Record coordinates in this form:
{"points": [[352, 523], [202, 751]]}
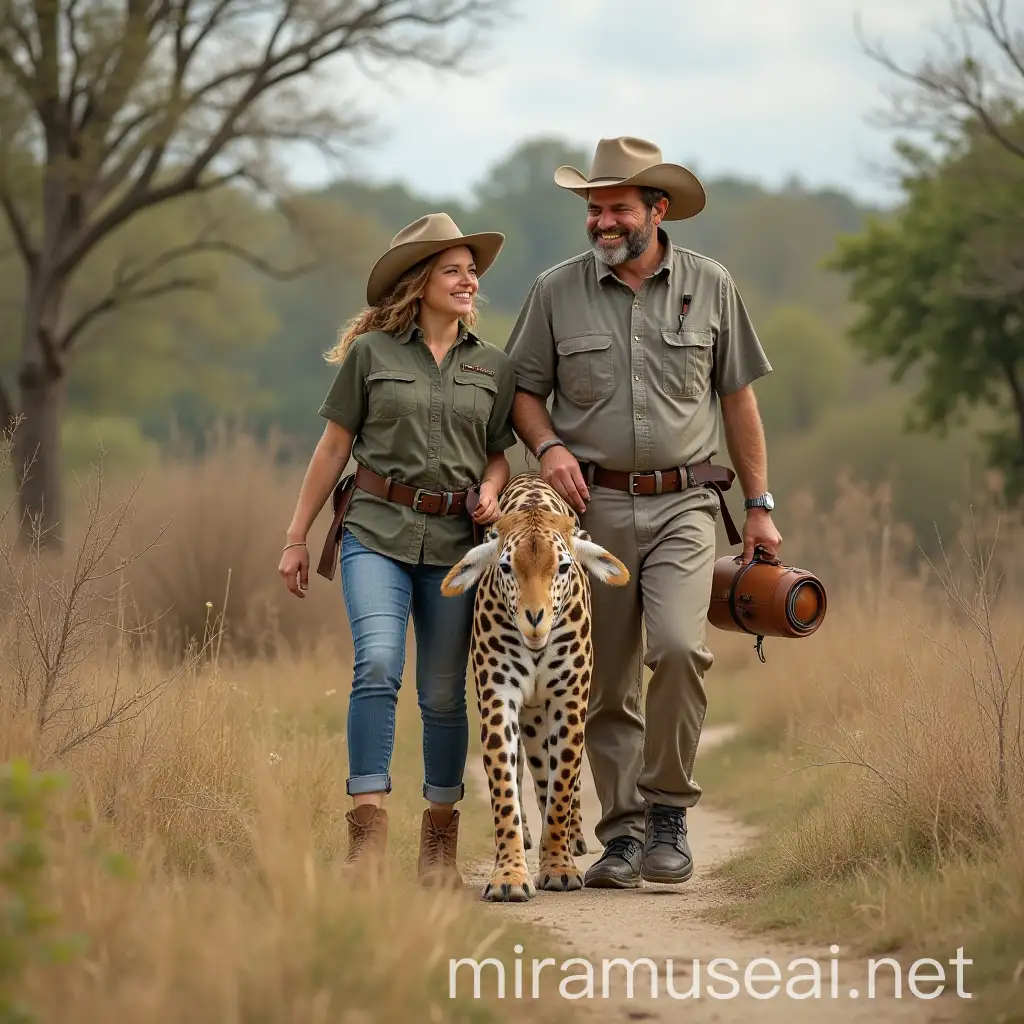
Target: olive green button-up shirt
{"points": [[424, 425], [635, 387]]}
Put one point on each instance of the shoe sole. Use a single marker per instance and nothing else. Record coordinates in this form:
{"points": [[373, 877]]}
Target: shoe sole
{"points": [[610, 883], [667, 878]]}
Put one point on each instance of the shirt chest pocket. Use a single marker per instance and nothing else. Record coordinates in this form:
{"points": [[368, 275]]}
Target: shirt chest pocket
{"points": [[474, 395], [585, 367], [687, 359], [390, 394]]}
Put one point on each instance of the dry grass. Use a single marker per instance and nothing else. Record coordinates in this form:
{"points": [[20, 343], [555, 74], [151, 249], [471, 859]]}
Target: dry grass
{"points": [[884, 755], [192, 857]]}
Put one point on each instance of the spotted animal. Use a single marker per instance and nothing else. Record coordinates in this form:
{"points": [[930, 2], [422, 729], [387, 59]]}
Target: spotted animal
{"points": [[532, 659]]}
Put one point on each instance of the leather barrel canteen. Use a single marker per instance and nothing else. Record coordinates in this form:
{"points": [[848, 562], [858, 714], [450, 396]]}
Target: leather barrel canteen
{"points": [[765, 597]]}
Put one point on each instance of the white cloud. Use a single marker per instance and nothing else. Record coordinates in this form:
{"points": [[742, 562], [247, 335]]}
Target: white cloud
{"points": [[755, 88]]}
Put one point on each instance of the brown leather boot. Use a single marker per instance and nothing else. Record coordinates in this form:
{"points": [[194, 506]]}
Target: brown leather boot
{"points": [[439, 844], [367, 839]]}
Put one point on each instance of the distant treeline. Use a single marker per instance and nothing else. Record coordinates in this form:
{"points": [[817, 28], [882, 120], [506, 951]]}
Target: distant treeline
{"points": [[251, 348]]}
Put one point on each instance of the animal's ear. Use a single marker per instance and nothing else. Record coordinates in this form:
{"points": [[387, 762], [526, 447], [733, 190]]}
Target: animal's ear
{"points": [[473, 565], [601, 564]]}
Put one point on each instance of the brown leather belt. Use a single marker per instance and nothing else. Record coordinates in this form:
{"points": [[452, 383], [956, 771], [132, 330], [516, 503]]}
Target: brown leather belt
{"points": [[665, 481], [435, 503]]}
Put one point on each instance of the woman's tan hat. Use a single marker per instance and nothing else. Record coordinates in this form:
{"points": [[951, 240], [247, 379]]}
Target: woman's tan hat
{"points": [[430, 234], [629, 161]]}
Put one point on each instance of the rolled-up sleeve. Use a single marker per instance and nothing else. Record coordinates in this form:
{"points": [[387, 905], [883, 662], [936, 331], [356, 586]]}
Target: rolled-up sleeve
{"points": [[345, 403], [531, 345], [739, 357], [500, 435]]}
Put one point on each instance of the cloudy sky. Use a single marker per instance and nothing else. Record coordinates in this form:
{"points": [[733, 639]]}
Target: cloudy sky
{"points": [[760, 88]]}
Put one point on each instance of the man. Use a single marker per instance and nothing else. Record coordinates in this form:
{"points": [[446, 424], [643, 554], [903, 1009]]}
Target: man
{"points": [[640, 342]]}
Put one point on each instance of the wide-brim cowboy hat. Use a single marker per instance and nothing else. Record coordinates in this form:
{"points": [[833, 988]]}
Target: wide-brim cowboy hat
{"points": [[422, 238], [629, 161]]}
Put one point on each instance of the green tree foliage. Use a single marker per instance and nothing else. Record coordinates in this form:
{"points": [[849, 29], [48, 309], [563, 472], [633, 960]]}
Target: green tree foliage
{"points": [[940, 289], [811, 365], [743, 226], [940, 283], [28, 920]]}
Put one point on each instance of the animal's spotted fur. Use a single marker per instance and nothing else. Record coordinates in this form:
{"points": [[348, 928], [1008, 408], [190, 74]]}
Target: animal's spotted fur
{"points": [[532, 660]]}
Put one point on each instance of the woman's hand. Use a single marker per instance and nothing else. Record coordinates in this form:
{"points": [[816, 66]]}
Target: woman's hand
{"points": [[294, 568], [487, 509]]}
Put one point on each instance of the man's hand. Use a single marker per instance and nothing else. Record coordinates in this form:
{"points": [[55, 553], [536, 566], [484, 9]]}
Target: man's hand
{"points": [[559, 468], [487, 510], [759, 530]]}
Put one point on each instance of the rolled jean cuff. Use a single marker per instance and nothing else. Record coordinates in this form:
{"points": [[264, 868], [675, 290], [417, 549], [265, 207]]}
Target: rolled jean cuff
{"points": [[368, 784], [444, 794]]}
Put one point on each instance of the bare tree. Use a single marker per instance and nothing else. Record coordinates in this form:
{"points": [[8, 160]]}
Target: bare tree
{"points": [[109, 108], [976, 79]]}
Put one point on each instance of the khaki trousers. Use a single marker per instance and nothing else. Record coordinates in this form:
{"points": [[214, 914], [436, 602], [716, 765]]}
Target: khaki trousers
{"points": [[667, 541]]}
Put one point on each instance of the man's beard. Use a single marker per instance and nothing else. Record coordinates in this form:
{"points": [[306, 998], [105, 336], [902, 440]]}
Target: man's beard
{"points": [[632, 244]]}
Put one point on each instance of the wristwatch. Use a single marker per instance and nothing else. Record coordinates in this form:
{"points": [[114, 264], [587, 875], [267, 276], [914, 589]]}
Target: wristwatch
{"points": [[765, 501]]}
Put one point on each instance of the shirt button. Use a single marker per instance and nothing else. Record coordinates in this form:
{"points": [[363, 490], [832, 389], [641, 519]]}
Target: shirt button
{"points": [[638, 416], [636, 376], [636, 337]]}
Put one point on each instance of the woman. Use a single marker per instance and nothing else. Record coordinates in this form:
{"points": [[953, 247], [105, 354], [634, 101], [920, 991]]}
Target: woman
{"points": [[422, 405]]}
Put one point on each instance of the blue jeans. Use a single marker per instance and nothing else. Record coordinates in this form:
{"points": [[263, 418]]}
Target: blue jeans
{"points": [[379, 593]]}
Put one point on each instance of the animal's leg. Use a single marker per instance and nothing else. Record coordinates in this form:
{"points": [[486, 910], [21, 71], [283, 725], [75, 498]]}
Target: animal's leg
{"points": [[558, 869], [577, 841], [520, 762], [535, 747], [510, 878]]}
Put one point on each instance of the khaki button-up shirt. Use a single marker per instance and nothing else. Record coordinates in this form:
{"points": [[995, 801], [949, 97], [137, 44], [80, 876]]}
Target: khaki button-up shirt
{"points": [[635, 384], [424, 425]]}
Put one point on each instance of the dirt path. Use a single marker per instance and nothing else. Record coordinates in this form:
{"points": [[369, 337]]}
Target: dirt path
{"points": [[659, 922]]}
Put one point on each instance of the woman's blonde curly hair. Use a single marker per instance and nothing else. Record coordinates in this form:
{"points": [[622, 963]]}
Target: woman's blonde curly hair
{"points": [[395, 311]]}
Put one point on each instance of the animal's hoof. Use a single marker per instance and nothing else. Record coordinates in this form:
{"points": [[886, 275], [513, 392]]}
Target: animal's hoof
{"points": [[507, 892], [579, 846], [559, 880]]}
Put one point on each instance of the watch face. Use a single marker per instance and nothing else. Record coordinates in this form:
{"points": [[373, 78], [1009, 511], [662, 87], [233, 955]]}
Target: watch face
{"points": [[769, 502]]}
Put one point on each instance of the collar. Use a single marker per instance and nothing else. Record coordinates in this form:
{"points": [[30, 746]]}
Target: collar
{"points": [[414, 331], [604, 271]]}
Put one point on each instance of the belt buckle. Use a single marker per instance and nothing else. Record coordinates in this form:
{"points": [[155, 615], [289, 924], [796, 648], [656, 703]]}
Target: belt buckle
{"points": [[416, 499], [658, 484]]}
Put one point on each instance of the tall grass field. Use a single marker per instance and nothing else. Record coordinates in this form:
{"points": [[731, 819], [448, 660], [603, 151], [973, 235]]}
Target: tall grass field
{"points": [[172, 770], [882, 758]]}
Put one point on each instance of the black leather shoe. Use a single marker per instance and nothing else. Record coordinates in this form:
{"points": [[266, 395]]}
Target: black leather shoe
{"points": [[667, 856], [618, 867]]}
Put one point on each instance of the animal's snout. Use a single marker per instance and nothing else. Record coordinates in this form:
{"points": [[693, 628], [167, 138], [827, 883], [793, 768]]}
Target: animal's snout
{"points": [[534, 618]]}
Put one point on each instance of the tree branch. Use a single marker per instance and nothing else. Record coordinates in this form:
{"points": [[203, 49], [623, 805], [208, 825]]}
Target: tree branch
{"points": [[1017, 391], [955, 87], [8, 417], [309, 48], [120, 300], [128, 290], [19, 229]]}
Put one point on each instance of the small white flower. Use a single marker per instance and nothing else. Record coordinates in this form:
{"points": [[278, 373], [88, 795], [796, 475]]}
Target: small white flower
{"points": [[274, 758]]}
